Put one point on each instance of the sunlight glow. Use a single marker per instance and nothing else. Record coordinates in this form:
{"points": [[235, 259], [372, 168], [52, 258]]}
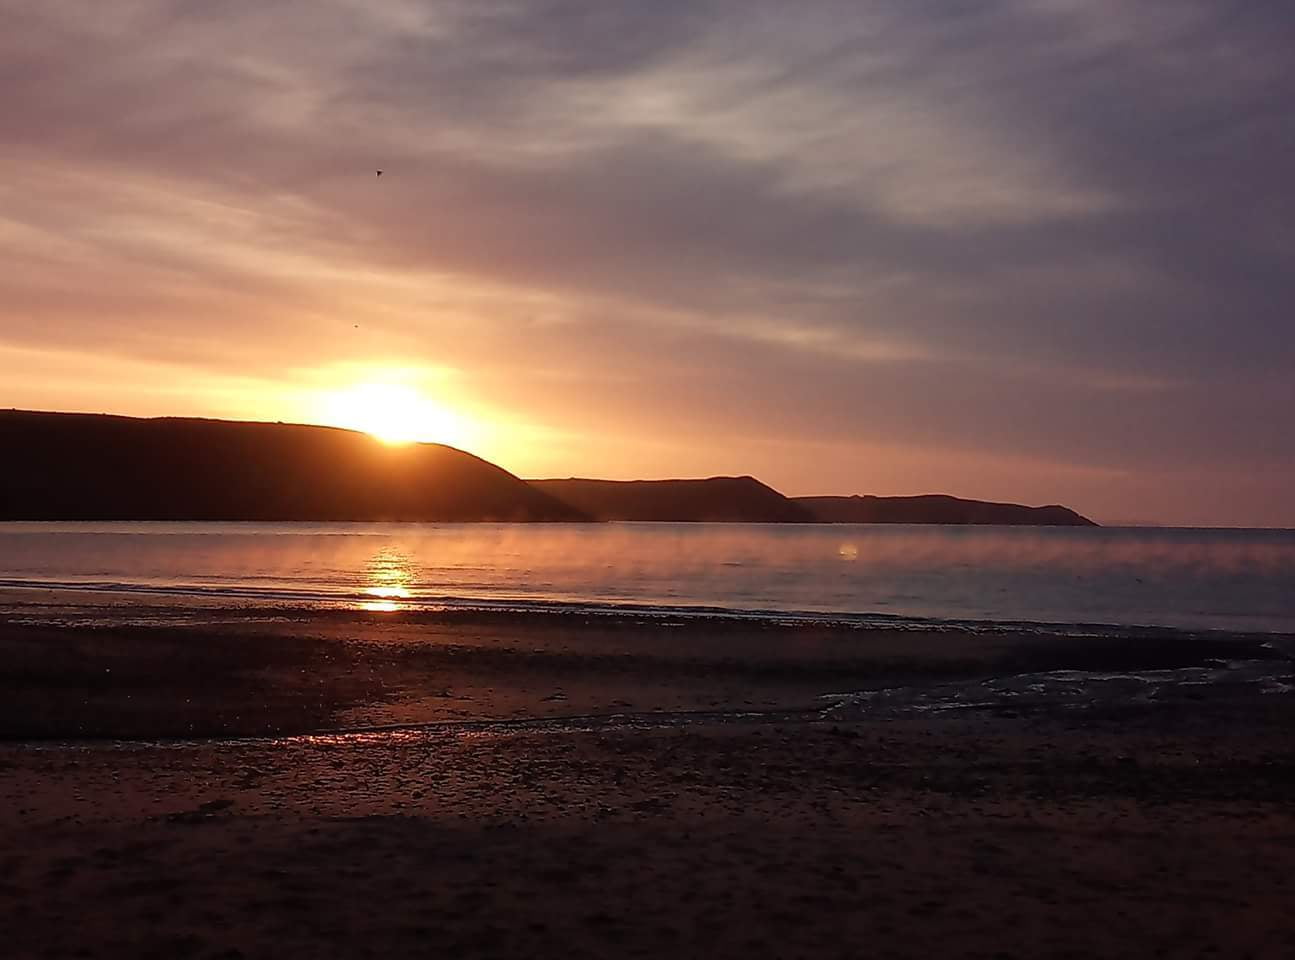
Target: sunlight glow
{"points": [[390, 573], [395, 413], [380, 606]]}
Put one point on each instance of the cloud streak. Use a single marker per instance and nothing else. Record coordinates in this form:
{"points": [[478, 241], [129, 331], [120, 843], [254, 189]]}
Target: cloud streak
{"points": [[1030, 232]]}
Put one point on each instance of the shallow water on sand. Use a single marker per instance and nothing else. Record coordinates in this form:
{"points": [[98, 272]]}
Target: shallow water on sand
{"points": [[1241, 580]]}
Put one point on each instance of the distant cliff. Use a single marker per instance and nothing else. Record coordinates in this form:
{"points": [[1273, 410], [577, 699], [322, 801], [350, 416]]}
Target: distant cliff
{"points": [[72, 466], [937, 508], [64, 466], [718, 499]]}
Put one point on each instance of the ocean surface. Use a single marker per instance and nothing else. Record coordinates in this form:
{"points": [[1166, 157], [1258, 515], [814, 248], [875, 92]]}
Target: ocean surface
{"points": [[1236, 580]]}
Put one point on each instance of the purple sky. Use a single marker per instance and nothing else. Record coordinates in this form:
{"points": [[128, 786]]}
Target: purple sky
{"points": [[1036, 250]]}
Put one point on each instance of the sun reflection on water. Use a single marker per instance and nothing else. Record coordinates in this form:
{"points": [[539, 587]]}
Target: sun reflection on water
{"points": [[389, 574]]}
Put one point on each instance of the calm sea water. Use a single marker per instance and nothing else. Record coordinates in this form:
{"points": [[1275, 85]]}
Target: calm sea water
{"points": [[1194, 579]]}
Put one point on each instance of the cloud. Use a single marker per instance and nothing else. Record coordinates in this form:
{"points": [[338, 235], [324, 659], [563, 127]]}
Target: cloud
{"points": [[1048, 231]]}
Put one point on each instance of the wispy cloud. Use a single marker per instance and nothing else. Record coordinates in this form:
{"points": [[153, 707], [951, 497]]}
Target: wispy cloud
{"points": [[1043, 231]]}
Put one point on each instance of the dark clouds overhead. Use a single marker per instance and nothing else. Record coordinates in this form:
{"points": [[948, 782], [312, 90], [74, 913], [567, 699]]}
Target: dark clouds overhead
{"points": [[1051, 234]]}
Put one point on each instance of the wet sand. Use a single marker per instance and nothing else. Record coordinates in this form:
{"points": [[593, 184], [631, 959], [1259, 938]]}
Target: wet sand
{"points": [[594, 788]]}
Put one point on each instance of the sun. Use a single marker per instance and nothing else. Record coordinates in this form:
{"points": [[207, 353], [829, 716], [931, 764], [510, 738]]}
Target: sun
{"points": [[395, 413]]}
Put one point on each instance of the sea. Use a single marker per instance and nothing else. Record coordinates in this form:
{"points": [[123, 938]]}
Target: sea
{"points": [[1078, 578]]}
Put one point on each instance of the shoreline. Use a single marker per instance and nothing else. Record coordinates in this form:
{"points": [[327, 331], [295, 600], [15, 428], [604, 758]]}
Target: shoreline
{"points": [[17, 595], [71, 669]]}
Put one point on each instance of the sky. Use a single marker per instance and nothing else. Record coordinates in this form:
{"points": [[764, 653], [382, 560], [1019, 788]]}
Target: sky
{"points": [[1028, 250]]}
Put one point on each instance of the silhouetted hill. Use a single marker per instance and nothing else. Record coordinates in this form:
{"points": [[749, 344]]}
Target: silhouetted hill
{"points": [[65, 466], [718, 499], [937, 508]]}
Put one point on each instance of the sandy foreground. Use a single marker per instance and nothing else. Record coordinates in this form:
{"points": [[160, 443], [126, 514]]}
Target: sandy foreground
{"points": [[177, 787]]}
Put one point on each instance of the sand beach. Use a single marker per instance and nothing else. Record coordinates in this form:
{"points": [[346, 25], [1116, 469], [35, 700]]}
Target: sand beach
{"points": [[229, 783]]}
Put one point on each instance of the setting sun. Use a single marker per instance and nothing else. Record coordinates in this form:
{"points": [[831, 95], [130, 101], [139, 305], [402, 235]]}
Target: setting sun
{"points": [[394, 413]]}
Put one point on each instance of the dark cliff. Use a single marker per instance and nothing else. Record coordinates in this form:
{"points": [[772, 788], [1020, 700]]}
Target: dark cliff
{"points": [[937, 508], [717, 499], [64, 466]]}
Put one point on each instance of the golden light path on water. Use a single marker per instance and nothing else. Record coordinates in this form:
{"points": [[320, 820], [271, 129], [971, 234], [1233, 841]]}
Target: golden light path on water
{"points": [[389, 574]]}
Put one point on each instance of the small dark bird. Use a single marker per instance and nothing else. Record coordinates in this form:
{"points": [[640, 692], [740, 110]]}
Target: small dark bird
{"points": [[379, 173]]}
